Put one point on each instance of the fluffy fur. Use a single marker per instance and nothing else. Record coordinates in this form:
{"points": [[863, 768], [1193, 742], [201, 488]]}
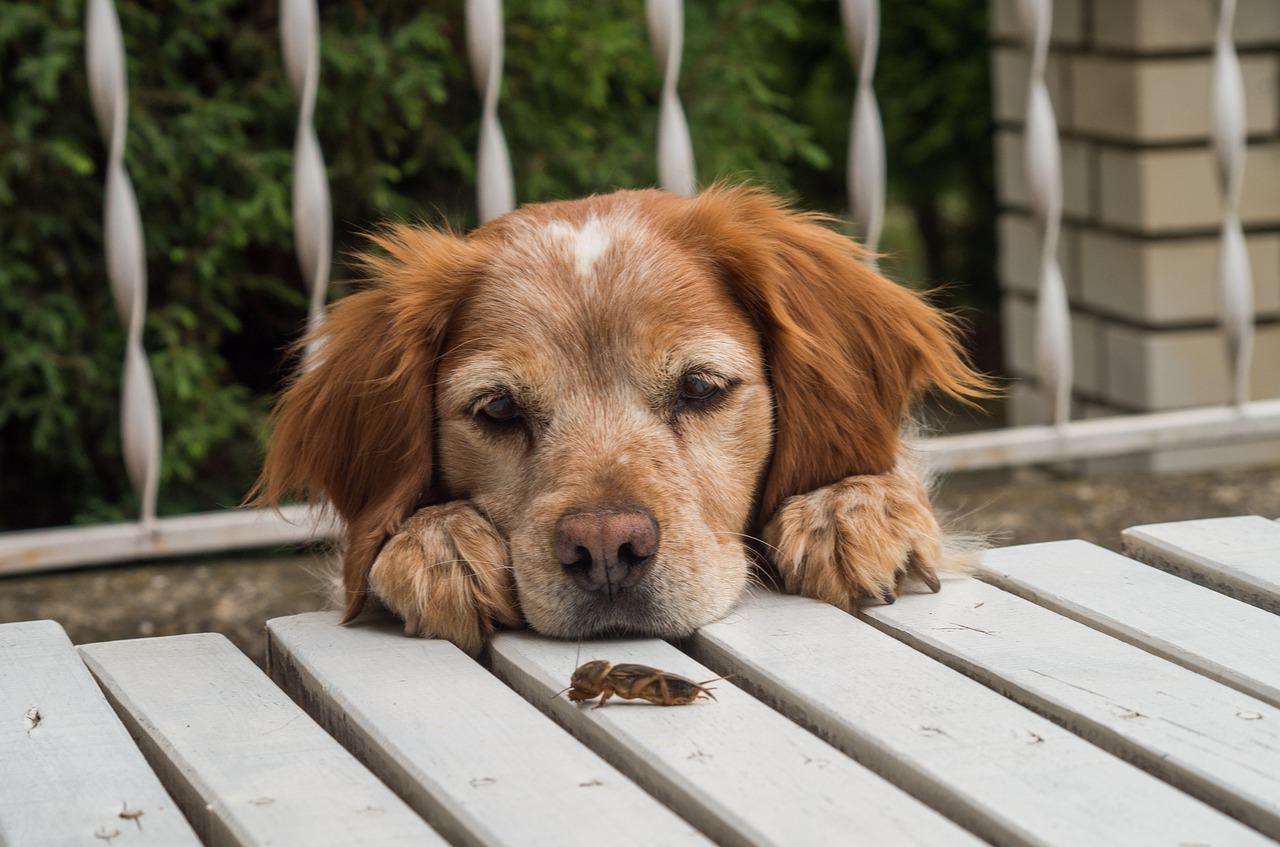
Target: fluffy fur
{"points": [[588, 315]]}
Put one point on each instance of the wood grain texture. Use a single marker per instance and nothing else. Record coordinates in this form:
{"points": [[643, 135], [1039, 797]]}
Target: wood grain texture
{"points": [[1238, 556], [68, 768], [737, 769], [247, 765], [1006, 773], [1203, 737], [1225, 639], [482, 765]]}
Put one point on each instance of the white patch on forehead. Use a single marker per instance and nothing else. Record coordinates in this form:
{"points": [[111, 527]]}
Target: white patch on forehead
{"points": [[585, 243]]}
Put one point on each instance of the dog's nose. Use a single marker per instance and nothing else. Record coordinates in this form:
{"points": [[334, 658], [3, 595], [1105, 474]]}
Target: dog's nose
{"points": [[606, 550]]}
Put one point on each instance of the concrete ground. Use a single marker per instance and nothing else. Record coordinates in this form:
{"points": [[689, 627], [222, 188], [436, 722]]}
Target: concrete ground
{"points": [[236, 595]]}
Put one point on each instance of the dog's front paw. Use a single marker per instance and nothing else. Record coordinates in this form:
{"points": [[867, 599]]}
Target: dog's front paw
{"points": [[857, 539], [447, 573]]}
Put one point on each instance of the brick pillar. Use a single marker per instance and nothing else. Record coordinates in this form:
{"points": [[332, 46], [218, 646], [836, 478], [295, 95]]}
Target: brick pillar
{"points": [[1129, 81]]}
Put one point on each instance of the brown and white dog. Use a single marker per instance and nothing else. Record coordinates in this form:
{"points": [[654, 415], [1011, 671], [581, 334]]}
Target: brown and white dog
{"points": [[590, 416]]}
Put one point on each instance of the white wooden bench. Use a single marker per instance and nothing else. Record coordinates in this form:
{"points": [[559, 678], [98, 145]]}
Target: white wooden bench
{"points": [[1064, 695]]}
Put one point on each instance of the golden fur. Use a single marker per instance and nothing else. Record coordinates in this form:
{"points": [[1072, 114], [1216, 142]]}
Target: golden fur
{"points": [[587, 315]]}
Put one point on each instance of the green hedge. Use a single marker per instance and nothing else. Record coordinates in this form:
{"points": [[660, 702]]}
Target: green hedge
{"points": [[766, 84]]}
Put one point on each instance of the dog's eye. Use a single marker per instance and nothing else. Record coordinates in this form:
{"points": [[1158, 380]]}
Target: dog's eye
{"points": [[500, 410], [695, 388]]}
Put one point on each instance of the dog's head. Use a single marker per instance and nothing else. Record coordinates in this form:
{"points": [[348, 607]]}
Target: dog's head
{"points": [[626, 385]]}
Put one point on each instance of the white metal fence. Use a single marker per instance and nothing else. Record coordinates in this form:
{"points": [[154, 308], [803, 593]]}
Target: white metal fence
{"points": [[1059, 439]]}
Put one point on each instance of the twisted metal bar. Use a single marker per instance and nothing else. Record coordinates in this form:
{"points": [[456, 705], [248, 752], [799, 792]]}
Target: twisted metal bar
{"points": [[675, 148], [312, 219], [866, 167], [1043, 162], [125, 255], [1235, 277], [495, 186]]}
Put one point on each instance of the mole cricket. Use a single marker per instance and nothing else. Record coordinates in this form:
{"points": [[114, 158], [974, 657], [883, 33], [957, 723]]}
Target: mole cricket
{"points": [[599, 678]]}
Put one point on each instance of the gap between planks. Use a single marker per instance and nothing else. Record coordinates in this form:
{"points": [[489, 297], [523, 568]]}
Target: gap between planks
{"points": [[71, 773], [736, 768], [1237, 556], [1193, 626], [1002, 771], [246, 764], [1200, 736], [469, 754]]}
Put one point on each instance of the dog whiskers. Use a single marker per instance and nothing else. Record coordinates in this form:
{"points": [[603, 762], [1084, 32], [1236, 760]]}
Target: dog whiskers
{"points": [[746, 537]]}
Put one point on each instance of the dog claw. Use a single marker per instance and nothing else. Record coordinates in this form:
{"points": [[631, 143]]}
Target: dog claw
{"points": [[887, 595], [924, 572], [412, 625]]}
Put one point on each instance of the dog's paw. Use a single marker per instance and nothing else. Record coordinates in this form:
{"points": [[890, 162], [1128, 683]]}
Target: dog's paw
{"points": [[447, 573], [861, 538]]}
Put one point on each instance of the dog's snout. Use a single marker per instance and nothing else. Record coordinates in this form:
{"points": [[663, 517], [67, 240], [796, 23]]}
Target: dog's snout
{"points": [[606, 550]]}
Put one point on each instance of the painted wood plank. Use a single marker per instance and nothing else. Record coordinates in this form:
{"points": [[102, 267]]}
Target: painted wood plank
{"points": [[1227, 640], [246, 764], [34, 550], [1203, 737], [1238, 556], [1004, 772], [68, 769], [736, 768], [482, 765], [1114, 436]]}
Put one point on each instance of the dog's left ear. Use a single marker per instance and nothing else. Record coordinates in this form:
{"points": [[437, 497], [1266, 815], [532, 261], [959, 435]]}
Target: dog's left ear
{"points": [[847, 350]]}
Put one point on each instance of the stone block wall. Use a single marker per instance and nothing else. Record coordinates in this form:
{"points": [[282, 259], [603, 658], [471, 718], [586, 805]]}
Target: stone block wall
{"points": [[1130, 84]]}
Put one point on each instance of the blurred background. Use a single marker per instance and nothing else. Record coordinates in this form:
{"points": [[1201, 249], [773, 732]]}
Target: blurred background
{"points": [[766, 85]]}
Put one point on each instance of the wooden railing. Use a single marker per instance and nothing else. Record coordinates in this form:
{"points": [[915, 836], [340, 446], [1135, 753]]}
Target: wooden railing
{"points": [[1059, 439]]}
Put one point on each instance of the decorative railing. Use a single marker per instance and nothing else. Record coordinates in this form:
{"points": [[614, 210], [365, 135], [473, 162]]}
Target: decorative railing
{"points": [[1234, 276], [495, 186], [866, 168], [1043, 158], [1066, 439], [1059, 439], [312, 219], [675, 148], [126, 256]]}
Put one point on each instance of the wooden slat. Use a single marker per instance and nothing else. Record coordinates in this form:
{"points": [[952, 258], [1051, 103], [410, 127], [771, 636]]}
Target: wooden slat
{"points": [[1117, 436], [479, 763], [1238, 556], [738, 770], [1008, 774], [79, 546], [1207, 739], [244, 762], [68, 768], [1225, 639]]}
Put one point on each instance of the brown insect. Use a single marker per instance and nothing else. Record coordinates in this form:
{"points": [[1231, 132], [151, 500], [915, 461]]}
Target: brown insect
{"points": [[599, 678]]}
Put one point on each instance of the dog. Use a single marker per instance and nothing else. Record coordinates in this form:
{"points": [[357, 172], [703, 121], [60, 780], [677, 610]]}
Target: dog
{"points": [[600, 416]]}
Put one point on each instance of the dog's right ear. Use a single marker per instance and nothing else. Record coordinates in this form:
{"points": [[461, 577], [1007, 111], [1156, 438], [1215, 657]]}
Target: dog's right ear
{"points": [[354, 427]]}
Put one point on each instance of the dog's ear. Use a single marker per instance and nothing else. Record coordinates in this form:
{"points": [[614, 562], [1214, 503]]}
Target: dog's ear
{"points": [[354, 427], [847, 350]]}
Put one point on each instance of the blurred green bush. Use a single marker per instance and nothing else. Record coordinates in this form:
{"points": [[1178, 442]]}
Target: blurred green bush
{"points": [[767, 85]]}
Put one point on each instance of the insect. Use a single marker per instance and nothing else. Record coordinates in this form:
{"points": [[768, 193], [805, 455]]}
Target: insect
{"points": [[599, 678]]}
